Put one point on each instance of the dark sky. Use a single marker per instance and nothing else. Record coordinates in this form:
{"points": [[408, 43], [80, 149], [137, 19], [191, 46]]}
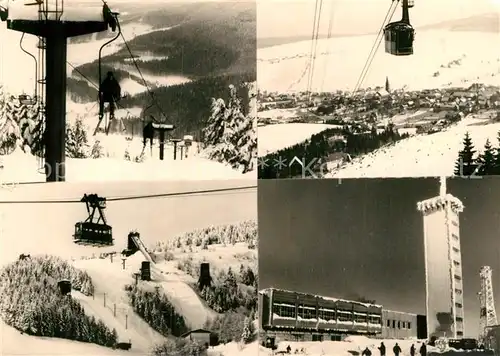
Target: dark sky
{"points": [[365, 237]]}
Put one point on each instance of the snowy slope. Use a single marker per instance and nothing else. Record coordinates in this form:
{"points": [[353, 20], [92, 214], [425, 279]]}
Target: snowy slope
{"points": [[340, 61], [422, 155], [276, 137], [352, 345], [12, 343]]}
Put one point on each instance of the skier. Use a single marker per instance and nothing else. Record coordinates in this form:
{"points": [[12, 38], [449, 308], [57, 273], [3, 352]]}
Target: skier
{"points": [[382, 349], [109, 92], [412, 350], [423, 350], [288, 349], [396, 349], [366, 352]]}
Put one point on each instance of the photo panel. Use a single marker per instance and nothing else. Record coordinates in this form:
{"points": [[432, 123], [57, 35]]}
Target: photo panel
{"points": [[378, 88], [362, 266], [135, 90], [129, 268]]}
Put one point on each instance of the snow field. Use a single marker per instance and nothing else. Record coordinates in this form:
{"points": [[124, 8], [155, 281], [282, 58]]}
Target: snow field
{"points": [[348, 347], [344, 58], [275, 137], [421, 155]]}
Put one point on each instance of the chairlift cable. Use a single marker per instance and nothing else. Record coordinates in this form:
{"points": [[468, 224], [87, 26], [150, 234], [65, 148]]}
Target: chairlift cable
{"points": [[151, 94], [313, 35], [36, 63], [376, 49], [315, 47], [137, 197], [379, 35], [329, 36]]}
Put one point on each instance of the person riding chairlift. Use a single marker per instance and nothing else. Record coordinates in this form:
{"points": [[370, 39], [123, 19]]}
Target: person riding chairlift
{"points": [[109, 92]]}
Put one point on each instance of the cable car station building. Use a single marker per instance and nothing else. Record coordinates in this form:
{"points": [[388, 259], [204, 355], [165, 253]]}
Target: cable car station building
{"points": [[294, 316]]}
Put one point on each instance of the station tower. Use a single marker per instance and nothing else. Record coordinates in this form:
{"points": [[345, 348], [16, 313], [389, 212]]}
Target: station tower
{"points": [[443, 264]]}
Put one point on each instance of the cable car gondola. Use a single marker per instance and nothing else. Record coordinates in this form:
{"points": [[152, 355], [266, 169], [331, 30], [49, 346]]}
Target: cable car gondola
{"points": [[94, 231], [399, 35]]}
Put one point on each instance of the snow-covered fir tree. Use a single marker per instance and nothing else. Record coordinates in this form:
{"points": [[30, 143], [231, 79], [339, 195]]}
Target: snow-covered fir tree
{"points": [[10, 134], [77, 145], [214, 130], [248, 331], [230, 136]]}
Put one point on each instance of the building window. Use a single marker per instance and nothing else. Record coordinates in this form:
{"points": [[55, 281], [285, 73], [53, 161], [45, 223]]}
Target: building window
{"points": [[460, 333], [388, 323], [284, 310], [456, 263], [456, 250], [344, 316], [457, 277], [394, 324], [454, 222], [459, 319], [403, 325], [455, 236], [458, 305], [458, 291], [360, 318], [399, 325]]}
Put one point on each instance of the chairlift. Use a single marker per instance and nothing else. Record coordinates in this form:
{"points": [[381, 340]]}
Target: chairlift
{"points": [[111, 18], [95, 229], [24, 98], [399, 35]]}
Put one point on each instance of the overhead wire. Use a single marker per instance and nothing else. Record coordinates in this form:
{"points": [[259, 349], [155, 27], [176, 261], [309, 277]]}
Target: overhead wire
{"points": [[375, 46], [328, 47], [311, 53], [315, 50], [205, 192]]}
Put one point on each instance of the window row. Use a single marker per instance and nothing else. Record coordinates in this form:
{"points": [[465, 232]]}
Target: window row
{"points": [[398, 324], [304, 312]]}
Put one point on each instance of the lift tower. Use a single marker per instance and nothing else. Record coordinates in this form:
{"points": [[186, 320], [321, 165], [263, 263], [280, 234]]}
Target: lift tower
{"points": [[56, 25]]}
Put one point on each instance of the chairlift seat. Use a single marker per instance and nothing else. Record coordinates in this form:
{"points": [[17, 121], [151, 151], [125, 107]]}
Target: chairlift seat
{"points": [[399, 37]]}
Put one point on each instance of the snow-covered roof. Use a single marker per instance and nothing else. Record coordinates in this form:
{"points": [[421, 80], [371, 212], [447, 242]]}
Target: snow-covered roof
{"points": [[322, 297], [440, 202]]}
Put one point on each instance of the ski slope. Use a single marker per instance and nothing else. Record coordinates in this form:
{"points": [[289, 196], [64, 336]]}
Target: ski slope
{"points": [[273, 138], [340, 61], [13, 343], [50, 229], [421, 155]]}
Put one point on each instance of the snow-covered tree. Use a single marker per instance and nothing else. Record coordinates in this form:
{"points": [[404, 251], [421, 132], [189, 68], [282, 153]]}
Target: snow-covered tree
{"points": [[248, 331], [214, 130], [230, 136], [77, 145]]}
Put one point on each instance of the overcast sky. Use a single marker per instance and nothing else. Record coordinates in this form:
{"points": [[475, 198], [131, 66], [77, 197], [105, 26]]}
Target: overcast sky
{"points": [[282, 18], [42, 227], [365, 237]]}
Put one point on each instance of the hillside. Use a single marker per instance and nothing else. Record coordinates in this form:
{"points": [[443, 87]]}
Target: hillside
{"points": [[341, 60], [186, 53], [110, 303]]}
